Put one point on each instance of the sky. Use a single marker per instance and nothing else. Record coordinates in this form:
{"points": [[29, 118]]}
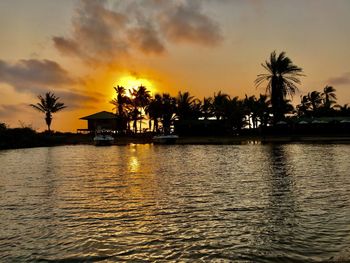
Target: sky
{"points": [[81, 49]]}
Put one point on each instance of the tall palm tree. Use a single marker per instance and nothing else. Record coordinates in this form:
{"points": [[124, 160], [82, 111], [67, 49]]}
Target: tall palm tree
{"points": [[168, 111], [120, 100], [48, 104], [141, 98], [329, 97], [153, 109], [120, 103], [282, 78]]}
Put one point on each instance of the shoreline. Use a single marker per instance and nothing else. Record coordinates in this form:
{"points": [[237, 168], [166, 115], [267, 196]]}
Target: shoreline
{"points": [[60, 139]]}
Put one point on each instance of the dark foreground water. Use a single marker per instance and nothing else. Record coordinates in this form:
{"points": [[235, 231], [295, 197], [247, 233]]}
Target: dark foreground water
{"points": [[141, 203]]}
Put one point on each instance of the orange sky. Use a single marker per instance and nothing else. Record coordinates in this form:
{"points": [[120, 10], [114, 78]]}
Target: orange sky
{"points": [[81, 49]]}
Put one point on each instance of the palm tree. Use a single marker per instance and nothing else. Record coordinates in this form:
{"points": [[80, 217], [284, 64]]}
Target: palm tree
{"points": [[315, 99], [141, 98], [219, 102], [304, 107], [234, 113], [48, 105], [168, 111], [153, 109], [329, 97], [207, 108], [120, 103], [282, 79], [185, 106]]}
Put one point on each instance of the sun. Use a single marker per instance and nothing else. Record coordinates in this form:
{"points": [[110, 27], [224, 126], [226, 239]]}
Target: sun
{"points": [[132, 82]]}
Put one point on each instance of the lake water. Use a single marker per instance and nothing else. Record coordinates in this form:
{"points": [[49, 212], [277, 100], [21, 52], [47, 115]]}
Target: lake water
{"points": [[240, 203]]}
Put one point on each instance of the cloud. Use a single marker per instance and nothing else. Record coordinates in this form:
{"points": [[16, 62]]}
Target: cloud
{"points": [[105, 32], [33, 74], [344, 79], [95, 32], [41, 76], [186, 23], [75, 99], [12, 110], [146, 40]]}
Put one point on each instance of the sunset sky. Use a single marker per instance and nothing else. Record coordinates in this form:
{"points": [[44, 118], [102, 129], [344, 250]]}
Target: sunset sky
{"points": [[81, 49]]}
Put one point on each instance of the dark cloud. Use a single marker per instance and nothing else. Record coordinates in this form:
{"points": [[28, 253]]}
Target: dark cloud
{"points": [[95, 32], [344, 79], [101, 31], [146, 39], [32, 74], [75, 99], [186, 23], [40, 76]]}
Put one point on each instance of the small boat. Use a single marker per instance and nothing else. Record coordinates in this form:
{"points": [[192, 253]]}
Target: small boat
{"points": [[103, 138], [165, 139]]}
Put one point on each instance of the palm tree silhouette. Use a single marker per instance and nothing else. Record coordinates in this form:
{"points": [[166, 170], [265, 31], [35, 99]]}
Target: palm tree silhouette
{"points": [[153, 109], [185, 106], [168, 111], [120, 103], [219, 102], [282, 79], [48, 105], [207, 107], [329, 97], [141, 98], [315, 99]]}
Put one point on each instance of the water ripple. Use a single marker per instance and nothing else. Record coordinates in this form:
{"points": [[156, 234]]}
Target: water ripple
{"points": [[142, 203]]}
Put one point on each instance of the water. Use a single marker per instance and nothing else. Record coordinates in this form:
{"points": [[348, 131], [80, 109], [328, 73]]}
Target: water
{"points": [[250, 203]]}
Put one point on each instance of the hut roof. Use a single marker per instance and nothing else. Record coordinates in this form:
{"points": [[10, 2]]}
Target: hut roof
{"points": [[102, 115]]}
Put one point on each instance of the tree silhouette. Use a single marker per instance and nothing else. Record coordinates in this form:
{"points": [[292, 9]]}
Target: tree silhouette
{"points": [[219, 102], [48, 105], [207, 108], [141, 98], [185, 106], [121, 103], [329, 97], [282, 78]]}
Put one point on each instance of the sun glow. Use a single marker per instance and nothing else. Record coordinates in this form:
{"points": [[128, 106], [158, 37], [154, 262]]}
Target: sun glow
{"points": [[131, 82]]}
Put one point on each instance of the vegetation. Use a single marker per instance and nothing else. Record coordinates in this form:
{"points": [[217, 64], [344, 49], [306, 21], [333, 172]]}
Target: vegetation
{"points": [[223, 114], [218, 114], [282, 78], [48, 104]]}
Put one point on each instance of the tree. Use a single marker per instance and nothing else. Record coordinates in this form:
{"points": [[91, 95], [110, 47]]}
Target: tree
{"points": [[168, 111], [282, 78], [185, 106], [141, 98], [48, 105], [315, 99], [154, 111], [303, 109], [219, 102], [329, 97], [120, 103], [207, 108]]}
